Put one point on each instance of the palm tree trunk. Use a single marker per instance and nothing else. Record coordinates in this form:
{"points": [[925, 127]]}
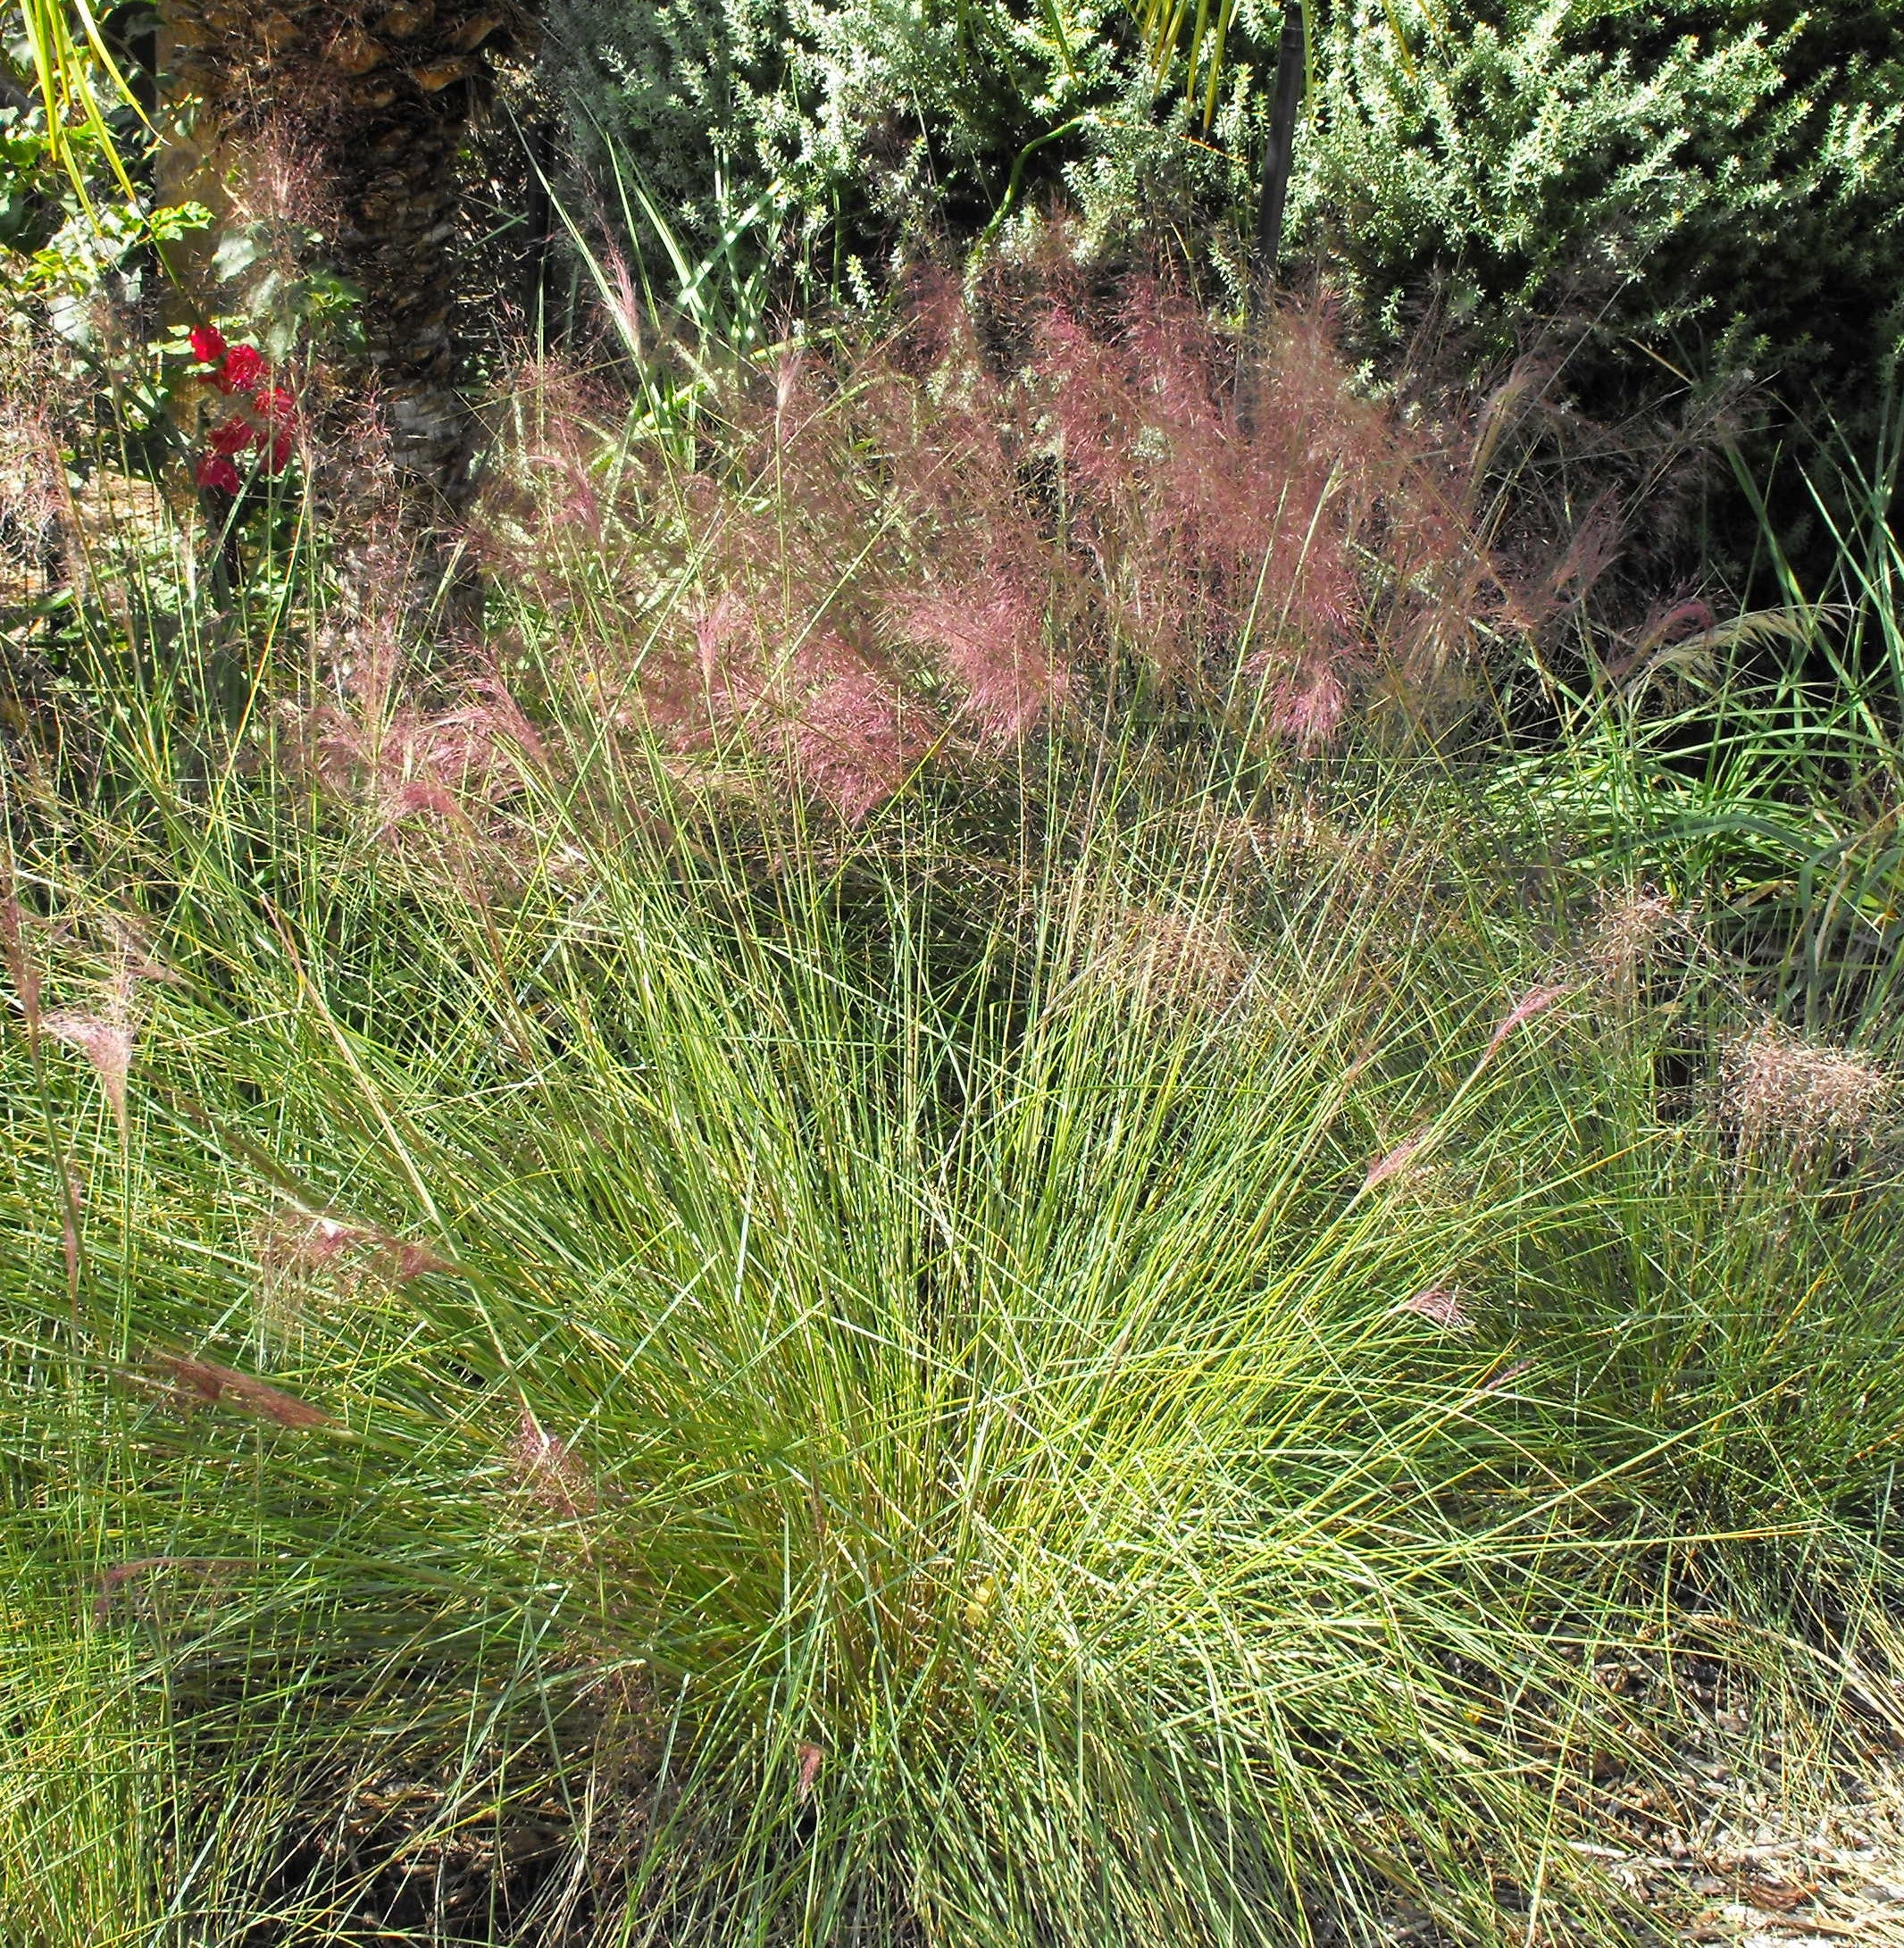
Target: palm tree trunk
{"points": [[377, 98]]}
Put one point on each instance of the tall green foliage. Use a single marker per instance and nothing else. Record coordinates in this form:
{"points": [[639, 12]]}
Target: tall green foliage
{"points": [[1126, 1389]]}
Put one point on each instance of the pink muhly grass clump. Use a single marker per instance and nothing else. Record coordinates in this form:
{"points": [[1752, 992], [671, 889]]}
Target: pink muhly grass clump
{"points": [[845, 731], [1309, 543], [1019, 494], [1307, 536], [370, 743], [1307, 710]]}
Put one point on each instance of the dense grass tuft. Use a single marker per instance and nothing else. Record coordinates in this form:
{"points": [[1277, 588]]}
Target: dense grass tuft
{"points": [[1161, 1329], [855, 1393]]}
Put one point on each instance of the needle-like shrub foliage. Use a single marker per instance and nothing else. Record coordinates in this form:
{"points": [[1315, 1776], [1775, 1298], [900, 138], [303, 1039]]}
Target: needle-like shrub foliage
{"points": [[1720, 179]]}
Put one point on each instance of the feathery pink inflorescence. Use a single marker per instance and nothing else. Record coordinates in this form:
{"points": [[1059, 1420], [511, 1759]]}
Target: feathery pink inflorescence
{"points": [[1536, 1001], [1307, 709], [547, 1469], [1393, 1162], [845, 729], [1025, 491], [403, 1260], [990, 639], [106, 1041], [1439, 1305], [208, 1381], [369, 743], [21, 969]]}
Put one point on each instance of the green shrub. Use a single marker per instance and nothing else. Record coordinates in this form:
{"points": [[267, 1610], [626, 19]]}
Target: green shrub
{"points": [[1678, 173], [1708, 173], [872, 122]]}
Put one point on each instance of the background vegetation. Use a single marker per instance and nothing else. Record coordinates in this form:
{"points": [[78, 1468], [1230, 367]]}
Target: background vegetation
{"points": [[1719, 182]]}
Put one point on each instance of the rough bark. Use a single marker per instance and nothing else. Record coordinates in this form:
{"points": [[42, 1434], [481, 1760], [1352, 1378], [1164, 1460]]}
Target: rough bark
{"points": [[378, 96]]}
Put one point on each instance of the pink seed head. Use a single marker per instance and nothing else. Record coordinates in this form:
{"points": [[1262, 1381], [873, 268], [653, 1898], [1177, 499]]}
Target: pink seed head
{"points": [[547, 1469], [107, 1044], [408, 1261], [1439, 1305], [1307, 710], [1529, 1004], [21, 969], [1397, 1160]]}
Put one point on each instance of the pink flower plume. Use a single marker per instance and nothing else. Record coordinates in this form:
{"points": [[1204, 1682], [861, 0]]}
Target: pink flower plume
{"points": [[988, 640], [1529, 1004], [19, 965], [846, 736], [548, 1469], [1307, 709], [1439, 1305], [1391, 1164], [107, 1044]]}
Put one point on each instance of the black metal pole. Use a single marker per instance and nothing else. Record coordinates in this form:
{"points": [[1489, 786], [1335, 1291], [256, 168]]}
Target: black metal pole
{"points": [[1276, 165], [538, 254]]}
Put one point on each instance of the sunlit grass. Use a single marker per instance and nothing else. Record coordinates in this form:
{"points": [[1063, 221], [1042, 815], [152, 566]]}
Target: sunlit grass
{"points": [[1110, 1355]]}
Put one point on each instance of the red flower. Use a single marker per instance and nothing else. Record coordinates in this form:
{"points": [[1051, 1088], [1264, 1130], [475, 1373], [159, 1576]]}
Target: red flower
{"points": [[278, 410], [235, 436], [244, 368], [208, 344], [264, 424]]}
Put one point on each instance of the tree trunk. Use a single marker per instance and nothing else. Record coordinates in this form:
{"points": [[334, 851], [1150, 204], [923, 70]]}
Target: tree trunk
{"points": [[376, 96]]}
